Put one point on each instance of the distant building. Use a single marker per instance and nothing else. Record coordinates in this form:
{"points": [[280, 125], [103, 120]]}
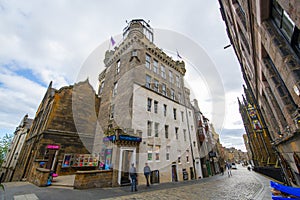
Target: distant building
{"points": [[13, 154], [265, 37]]}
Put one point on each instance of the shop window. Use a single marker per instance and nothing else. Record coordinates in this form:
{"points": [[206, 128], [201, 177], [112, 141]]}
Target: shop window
{"points": [[80, 160]]}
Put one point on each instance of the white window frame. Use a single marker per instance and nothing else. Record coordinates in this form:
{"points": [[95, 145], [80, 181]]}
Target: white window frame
{"points": [[163, 71], [148, 61]]}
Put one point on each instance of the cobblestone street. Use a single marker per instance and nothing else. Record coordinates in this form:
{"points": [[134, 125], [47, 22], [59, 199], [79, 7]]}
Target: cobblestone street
{"points": [[242, 185]]}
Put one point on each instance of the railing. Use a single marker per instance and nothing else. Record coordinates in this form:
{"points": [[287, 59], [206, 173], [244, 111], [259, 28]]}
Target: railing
{"points": [[282, 192]]}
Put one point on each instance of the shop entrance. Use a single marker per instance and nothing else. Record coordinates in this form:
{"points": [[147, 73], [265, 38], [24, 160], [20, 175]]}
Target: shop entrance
{"points": [[127, 156], [154, 177], [51, 155]]}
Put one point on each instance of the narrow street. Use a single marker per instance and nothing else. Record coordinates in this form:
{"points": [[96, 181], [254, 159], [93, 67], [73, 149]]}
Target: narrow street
{"points": [[242, 185]]}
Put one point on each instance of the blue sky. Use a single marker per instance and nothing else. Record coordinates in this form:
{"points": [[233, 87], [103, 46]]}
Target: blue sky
{"points": [[47, 41]]}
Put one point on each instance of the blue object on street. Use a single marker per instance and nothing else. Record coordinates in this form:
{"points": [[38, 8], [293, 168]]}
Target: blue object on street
{"points": [[286, 189]]}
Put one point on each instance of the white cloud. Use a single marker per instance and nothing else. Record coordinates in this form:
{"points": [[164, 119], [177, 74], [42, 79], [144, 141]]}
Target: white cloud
{"points": [[18, 96]]}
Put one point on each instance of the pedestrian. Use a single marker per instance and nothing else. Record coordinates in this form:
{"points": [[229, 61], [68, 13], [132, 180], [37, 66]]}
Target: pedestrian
{"points": [[147, 172], [222, 170], [133, 176], [228, 168]]}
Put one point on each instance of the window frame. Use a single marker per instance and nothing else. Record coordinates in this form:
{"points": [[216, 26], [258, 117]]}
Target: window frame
{"points": [[155, 66], [149, 128], [148, 81], [167, 131], [115, 89], [118, 67], [155, 106], [148, 61], [164, 89], [156, 129], [149, 104], [163, 71]]}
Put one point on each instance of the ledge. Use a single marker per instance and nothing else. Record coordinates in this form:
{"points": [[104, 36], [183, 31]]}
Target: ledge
{"points": [[93, 171], [42, 170]]}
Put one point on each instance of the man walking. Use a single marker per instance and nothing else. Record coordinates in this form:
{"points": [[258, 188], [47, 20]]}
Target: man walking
{"points": [[147, 172], [228, 167], [133, 176]]}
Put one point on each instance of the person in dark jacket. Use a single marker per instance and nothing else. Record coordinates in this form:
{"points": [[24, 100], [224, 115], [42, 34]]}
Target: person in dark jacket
{"points": [[147, 172], [133, 176]]}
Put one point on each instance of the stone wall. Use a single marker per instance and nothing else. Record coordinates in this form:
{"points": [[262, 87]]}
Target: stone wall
{"points": [[93, 179], [39, 177]]}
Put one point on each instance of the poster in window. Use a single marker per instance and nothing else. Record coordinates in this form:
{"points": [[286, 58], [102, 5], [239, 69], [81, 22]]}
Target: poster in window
{"points": [[67, 160], [108, 154]]}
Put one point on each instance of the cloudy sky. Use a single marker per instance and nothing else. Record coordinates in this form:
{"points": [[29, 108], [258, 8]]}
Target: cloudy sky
{"points": [[43, 41]]}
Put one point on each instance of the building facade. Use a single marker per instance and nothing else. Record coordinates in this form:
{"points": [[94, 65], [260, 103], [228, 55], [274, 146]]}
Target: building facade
{"points": [[141, 114], [12, 157], [265, 37], [54, 137], [143, 96]]}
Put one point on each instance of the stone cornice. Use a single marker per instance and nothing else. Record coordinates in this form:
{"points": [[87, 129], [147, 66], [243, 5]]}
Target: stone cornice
{"points": [[151, 48]]}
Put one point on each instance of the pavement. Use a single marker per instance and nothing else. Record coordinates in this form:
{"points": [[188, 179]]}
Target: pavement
{"points": [[243, 184]]}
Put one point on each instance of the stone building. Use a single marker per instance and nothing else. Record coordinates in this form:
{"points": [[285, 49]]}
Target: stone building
{"points": [[247, 145], [146, 114], [265, 37], [14, 150], [54, 137], [208, 144], [141, 114]]}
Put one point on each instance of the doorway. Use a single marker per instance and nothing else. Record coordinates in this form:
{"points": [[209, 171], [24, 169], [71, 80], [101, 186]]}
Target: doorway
{"points": [[127, 156], [51, 163], [174, 173]]}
